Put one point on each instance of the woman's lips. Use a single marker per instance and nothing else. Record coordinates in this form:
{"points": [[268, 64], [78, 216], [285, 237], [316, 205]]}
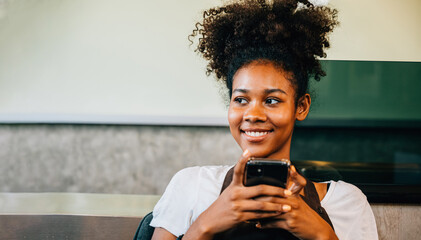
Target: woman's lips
{"points": [[255, 135]]}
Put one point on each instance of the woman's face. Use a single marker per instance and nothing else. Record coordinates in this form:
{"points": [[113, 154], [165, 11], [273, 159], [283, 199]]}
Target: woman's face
{"points": [[262, 110]]}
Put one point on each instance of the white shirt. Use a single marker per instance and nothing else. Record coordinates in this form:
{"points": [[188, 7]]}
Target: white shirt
{"points": [[192, 190]]}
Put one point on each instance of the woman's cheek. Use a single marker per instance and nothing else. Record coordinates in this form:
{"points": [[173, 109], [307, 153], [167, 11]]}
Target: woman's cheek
{"points": [[234, 117], [282, 119], [234, 120]]}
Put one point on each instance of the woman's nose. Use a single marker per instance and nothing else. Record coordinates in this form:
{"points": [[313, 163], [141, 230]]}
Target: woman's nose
{"points": [[255, 113]]}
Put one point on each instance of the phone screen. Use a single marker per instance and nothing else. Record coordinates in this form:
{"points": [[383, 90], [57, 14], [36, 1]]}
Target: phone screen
{"points": [[267, 171]]}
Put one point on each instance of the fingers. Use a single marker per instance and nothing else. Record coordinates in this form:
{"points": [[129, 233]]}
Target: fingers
{"points": [[238, 176], [260, 207], [278, 200], [247, 216], [263, 190], [296, 182], [275, 224]]}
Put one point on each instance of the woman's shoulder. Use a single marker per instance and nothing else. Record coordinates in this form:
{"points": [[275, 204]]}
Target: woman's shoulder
{"points": [[344, 199], [343, 192], [191, 181], [190, 191], [349, 211]]}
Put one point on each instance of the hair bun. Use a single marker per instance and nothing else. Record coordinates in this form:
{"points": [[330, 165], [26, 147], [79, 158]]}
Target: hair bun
{"points": [[294, 39]]}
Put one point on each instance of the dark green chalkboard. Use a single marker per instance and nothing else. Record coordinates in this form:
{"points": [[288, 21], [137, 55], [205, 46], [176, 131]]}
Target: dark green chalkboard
{"points": [[367, 92]]}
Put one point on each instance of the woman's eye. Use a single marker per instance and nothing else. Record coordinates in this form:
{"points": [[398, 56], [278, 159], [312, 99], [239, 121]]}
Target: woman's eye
{"points": [[240, 100], [272, 101]]}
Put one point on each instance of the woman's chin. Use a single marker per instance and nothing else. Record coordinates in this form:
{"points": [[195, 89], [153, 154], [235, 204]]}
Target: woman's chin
{"points": [[258, 153]]}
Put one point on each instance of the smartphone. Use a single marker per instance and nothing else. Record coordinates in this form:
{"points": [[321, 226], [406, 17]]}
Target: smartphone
{"points": [[267, 171]]}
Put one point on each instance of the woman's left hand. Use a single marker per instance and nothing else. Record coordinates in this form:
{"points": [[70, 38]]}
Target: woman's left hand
{"points": [[301, 220]]}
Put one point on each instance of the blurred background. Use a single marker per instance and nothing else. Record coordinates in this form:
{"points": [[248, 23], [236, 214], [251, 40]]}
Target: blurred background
{"points": [[109, 97]]}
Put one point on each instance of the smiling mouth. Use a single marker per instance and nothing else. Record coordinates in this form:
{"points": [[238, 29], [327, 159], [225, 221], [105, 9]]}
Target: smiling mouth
{"points": [[255, 134]]}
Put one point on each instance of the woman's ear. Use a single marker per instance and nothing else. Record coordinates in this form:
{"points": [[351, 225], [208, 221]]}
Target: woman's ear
{"points": [[303, 107]]}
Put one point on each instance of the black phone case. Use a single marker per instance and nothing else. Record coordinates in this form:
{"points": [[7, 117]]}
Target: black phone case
{"points": [[265, 171]]}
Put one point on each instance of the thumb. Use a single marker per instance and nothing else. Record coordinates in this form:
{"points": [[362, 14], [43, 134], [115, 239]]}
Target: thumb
{"points": [[239, 168], [296, 182]]}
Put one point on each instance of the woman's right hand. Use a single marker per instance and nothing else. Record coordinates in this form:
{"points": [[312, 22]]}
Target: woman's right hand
{"points": [[237, 204]]}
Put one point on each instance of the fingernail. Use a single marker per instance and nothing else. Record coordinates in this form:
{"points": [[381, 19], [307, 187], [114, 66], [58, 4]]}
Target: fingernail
{"points": [[286, 208], [287, 192], [245, 153]]}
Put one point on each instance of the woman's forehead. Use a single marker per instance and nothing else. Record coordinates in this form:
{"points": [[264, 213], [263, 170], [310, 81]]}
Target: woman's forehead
{"points": [[262, 77]]}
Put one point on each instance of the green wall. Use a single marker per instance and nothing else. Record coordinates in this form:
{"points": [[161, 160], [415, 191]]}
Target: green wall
{"points": [[367, 91]]}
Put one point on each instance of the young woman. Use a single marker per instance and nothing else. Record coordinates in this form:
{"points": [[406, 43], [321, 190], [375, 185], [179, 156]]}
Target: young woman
{"points": [[265, 52]]}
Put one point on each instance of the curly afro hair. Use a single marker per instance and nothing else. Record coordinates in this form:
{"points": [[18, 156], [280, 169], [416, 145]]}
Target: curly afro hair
{"points": [[290, 34]]}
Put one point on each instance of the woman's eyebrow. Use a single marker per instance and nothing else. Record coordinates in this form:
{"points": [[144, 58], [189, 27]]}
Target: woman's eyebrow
{"points": [[267, 91], [241, 90]]}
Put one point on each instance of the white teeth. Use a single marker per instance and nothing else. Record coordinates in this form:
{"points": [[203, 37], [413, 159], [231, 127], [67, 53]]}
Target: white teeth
{"points": [[256, 134]]}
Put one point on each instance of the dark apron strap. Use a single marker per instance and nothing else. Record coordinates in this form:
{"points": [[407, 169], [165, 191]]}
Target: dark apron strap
{"points": [[311, 198], [227, 179]]}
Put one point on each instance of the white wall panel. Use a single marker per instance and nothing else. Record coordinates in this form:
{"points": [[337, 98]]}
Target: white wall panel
{"points": [[129, 61]]}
